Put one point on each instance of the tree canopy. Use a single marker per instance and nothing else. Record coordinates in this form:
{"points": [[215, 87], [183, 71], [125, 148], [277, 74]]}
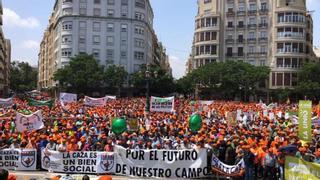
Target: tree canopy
{"points": [[228, 78], [22, 77]]}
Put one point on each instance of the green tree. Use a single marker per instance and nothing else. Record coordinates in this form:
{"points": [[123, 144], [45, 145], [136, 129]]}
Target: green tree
{"points": [[115, 77], [160, 82], [309, 80], [22, 77], [83, 75], [228, 78]]}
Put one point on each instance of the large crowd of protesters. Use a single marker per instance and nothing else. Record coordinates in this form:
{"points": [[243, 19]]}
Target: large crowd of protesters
{"points": [[262, 142]]}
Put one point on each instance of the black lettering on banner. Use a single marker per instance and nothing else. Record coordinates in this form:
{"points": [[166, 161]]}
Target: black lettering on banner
{"points": [[194, 155], [176, 172], [124, 168], [161, 171]]}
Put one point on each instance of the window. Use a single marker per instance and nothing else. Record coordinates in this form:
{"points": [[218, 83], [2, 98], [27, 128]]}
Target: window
{"points": [[66, 52], [139, 30], [263, 20], [263, 49], [97, 1], [252, 7], [124, 2], [96, 39], [67, 25], [67, 11], [66, 39], [67, 1], [110, 40], [110, 2], [82, 25], [124, 27], [229, 51], [123, 54], [240, 51], [139, 16], [252, 20], [96, 54], [139, 43], [110, 54], [83, 11], [83, 1], [263, 6], [140, 3], [251, 35], [123, 42], [230, 24], [97, 26], [110, 27], [262, 62], [207, 1], [82, 39], [97, 12], [139, 55], [263, 34], [251, 49], [110, 12]]}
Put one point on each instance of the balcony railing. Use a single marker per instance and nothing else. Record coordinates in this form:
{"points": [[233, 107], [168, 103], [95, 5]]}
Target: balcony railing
{"points": [[234, 54], [263, 25], [290, 35], [263, 11], [240, 26], [229, 41], [230, 26], [240, 40], [288, 66], [241, 13], [252, 12], [230, 13], [263, 39], [252, 40], [252, 25], [295, 51], [230, 1]]}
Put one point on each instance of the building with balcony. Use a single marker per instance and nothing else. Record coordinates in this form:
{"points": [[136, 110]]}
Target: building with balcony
{"points": [[5, 59], [278, 34], [116, 32]]}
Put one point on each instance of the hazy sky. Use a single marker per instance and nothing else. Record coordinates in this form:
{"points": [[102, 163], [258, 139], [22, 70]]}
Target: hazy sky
{"points": [[26, 20]]}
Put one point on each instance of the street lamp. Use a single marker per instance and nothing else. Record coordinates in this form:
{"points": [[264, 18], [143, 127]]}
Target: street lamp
{"points": [[148, 75]]}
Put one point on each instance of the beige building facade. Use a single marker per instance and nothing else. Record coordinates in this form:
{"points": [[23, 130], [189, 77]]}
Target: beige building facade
{"points": [[274, 33], [5, 59]]}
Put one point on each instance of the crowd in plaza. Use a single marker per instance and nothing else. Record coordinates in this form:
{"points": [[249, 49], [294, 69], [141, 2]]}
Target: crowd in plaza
{"points": [[262, 141]]}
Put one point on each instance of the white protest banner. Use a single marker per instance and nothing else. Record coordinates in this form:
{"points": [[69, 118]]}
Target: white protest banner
{"points": [[78, 162], [6, 102], [189, 163], [68, 97], [89, 101], [206, 102], [224, 169], [17, 159], [111, 97], [158, 104], [29, 122]]}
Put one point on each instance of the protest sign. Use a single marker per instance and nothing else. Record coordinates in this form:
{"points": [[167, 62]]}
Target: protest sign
{"points": [[158, 104], [17, 159], [6, 102], [89, 101], [111, 97], [232, 118], [305, 108], [227, 170], [32, 102], [296, 168], [78, 162], [133, 124], [29, 122], [68, 97], [189, 163]]}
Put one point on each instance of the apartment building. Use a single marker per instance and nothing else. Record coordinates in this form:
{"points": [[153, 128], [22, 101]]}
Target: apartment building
{"points": [[116, 32], [274, 33], [5, 58]]}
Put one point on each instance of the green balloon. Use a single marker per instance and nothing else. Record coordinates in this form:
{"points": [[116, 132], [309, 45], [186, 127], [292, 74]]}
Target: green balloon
{"points": [[119, 125], [195, 122]]}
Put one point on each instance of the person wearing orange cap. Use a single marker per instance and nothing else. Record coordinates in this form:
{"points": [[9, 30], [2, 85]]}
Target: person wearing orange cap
{"points": [[317, 154], [248, 158], [62, 147]]}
